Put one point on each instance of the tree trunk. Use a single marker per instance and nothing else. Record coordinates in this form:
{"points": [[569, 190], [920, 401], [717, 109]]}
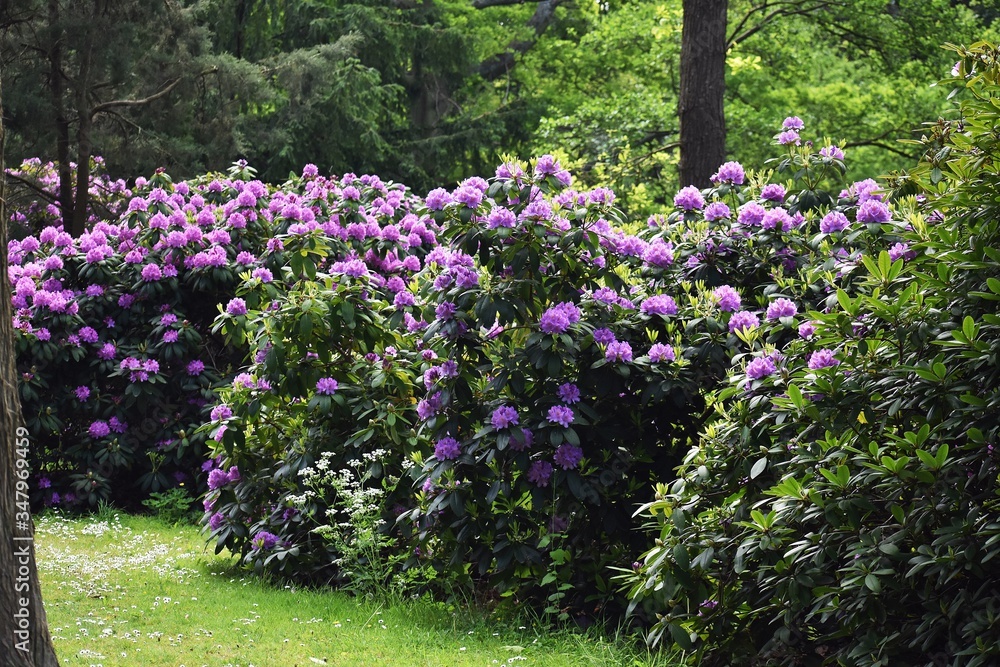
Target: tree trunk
{"points": [[703, 86], [24, 631], [84, 125], [57, 91]]}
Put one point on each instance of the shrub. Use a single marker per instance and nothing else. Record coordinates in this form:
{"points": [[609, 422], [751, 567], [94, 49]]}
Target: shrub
{"points": [[114, 346], [841, 510]]}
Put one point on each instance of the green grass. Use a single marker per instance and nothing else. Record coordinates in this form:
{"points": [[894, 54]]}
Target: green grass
{"points": [[123, 591]]}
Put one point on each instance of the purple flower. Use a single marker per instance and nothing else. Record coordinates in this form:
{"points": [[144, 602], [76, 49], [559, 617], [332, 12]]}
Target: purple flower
{"points": [[661, 304], [445, 310], [170, 336], [447, 448], [901, 250], [540, 473], [743, 319], [428, 407], [326, 386], [751, 214], [716, 211], [82, 393], [727, 298], [151, 273], [603, 336], [781, 308], [216, 520], [560, 414], [659, 352], [217, 478], [760, 367], [807, 329], [236, 307], [834, 221], [659, 254], [568, 456], [833, 152], [99, 429], [822, 359], [558, 318], [107, 352], [264, 541], [568, 393], [264, 275], [500, 217], [437, 199], [469, 196], [528, 439], [689, 199], [504, 417], [777, 219], [88, 335], [220, 412], [873, 210], [788, 137], [618, 351], [195, 367], [792, 123], [773, 192], [730, 172]]}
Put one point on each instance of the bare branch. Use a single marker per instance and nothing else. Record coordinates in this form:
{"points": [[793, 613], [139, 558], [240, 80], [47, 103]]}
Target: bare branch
{"points": [[878, 144], [33, 186], [779, 9], [482, 4], [497, 65], [100, 108]]}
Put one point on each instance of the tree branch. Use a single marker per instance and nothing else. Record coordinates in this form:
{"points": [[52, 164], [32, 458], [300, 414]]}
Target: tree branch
{"points": [[780, 9], [497, 65], [100, 108], [878, 144], [482, 4], [34, 187]]}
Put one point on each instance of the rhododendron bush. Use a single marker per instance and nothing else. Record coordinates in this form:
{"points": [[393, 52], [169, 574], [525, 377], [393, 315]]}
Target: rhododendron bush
{"points": [[502, 370], [843, 508]]}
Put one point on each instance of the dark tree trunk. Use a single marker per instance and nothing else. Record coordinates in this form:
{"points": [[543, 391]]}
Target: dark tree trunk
{"points": [[703, 86], [24, 631], [83, 141], [57, 91]]}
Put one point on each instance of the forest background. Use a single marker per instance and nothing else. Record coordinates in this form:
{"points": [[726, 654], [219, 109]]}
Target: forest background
{"points": [[428, 92]]}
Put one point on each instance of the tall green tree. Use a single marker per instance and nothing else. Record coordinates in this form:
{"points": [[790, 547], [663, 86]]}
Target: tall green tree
{"points": [[84, 73]]}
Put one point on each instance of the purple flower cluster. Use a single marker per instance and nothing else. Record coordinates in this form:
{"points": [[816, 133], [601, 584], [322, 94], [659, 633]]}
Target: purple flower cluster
{"points": [[504, 417], [760, 367], [744, 320], [689, 199], [727, 298], [560, 414], [558, 318], [326, 386], [659, 352], [781, 308], [447, 448], [660, 304], [822, 359]]}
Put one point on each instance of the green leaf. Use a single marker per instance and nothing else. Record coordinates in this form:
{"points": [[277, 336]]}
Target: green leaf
{"points": [[758, 467]]}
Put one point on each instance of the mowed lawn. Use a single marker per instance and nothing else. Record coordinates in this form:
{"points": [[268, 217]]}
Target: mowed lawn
{"points": [[126, 591]]}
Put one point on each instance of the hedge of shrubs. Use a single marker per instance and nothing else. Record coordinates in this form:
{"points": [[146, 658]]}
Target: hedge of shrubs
{"points": [[475, 389]]}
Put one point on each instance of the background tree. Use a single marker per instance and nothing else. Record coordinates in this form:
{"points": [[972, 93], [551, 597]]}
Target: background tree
{"points": [[18, 575], [701, 103]]}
